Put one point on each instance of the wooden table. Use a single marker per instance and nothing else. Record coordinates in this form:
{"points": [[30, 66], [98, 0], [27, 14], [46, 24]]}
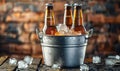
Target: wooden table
{"points": [[37, 65], [5, 66]]}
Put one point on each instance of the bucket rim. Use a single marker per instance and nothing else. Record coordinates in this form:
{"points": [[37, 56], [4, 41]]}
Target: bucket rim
{"points": [[66, 35], [67, 46]]}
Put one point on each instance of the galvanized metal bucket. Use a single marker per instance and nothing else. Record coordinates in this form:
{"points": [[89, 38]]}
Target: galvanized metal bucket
{"points": [[65, 51]]}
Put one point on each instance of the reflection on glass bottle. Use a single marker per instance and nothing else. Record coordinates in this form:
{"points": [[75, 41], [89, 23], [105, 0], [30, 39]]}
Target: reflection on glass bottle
{"points": [[68, 16], [49, 26], [78, 19]]}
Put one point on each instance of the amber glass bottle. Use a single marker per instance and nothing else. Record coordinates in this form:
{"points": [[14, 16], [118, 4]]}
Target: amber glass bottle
{"points": [[68, 16], [78, 20], [49, 26]]}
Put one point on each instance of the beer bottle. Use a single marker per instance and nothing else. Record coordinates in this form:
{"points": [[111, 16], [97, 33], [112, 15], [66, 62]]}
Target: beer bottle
{"points": [[68, 16], [49, 26], [78, 19]]}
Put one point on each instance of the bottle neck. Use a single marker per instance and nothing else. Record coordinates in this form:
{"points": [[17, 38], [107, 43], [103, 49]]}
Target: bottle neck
{"points": [[68, 17], [49, 17], [78, 17], [81, 17]]}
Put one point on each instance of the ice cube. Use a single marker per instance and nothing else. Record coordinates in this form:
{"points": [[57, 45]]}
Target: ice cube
{"points": [[96, 59], [84, 67], [114, 57], [110, 62], [12, 61], [22, 64], [62, 28], [117, 57], [28, 59], [56, 66]]}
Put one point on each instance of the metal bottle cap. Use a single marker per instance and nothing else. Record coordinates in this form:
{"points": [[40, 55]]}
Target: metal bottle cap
{"points": [[76, 4], [67, 4], [49, 4]]}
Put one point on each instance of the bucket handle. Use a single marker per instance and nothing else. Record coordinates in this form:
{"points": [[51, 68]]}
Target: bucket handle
{"points": [[40, 34], [90, 33]]}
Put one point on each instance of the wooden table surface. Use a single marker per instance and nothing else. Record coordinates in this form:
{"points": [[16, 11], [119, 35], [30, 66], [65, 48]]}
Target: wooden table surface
{"points": [[6, 66], [37, 65]]}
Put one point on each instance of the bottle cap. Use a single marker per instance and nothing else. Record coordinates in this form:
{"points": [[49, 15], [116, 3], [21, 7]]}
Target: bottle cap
{"points": [[76, 4], [67, 4], [49, 4]]}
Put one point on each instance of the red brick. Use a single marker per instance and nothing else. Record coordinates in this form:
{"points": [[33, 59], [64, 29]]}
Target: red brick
{"points": [[110, 19], [117, 20], [59, 6]]}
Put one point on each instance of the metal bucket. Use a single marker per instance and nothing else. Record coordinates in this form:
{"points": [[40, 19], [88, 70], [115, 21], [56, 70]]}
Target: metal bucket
{"points": [[65, 51]]}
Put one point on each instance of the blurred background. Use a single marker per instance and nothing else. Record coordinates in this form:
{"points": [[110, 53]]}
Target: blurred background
{"points": [[19, 18]]}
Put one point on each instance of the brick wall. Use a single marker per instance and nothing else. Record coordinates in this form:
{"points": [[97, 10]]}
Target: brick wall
{"points": [[17, 28]]}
